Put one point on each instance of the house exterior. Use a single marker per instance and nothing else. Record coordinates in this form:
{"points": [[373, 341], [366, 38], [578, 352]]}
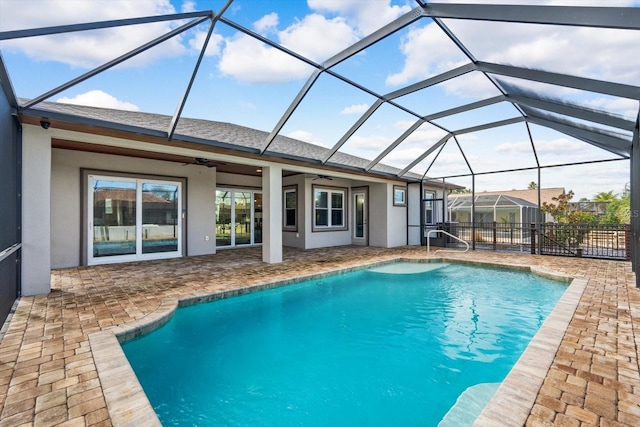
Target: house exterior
{"points": [[105, 186]]}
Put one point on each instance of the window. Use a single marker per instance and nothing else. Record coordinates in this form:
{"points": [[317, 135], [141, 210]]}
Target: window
{"points": [[399, 196], [290, 214], [329, 210], [428, 207]]}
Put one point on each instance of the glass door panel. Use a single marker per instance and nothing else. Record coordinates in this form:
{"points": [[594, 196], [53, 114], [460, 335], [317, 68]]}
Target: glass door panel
{"points": [[159, 217], [243, 224], [257, 218], [359, 215], [113, 203], [223, 218]]}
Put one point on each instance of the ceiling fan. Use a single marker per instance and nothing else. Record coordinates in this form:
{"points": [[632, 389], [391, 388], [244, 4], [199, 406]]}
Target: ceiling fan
{"points": [[204, 162], [327, 177]]}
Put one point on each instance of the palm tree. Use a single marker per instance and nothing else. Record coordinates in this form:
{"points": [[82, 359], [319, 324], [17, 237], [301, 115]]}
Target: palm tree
{"points": [[532, 186], [605, 196]]}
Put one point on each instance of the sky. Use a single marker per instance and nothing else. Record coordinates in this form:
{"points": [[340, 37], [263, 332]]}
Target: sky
{"points": [[247, 82]]}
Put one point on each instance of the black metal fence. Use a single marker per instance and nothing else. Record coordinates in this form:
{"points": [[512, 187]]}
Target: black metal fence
{"points": [[608, 241]]}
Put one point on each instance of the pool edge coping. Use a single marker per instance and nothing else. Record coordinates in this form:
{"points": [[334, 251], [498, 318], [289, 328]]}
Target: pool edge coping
{"points": [[127, 403]]}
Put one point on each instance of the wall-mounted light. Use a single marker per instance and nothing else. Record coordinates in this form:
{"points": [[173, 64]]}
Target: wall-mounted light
{"points": [[258, 170], [45, 124]]}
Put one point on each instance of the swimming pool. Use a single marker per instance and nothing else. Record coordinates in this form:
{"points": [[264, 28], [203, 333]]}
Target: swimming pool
{"points": [[389, 346]]}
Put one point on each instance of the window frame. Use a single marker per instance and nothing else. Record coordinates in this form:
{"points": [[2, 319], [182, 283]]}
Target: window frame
{"points": [[285, 190], [344, 192], [400, 190]]}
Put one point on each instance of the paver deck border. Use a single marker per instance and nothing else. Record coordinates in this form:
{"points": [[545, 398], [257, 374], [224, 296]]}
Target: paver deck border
{"points": [[128, 405]]}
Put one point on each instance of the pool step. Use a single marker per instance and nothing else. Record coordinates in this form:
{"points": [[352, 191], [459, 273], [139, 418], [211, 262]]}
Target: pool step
{"points": [[469, 405]]}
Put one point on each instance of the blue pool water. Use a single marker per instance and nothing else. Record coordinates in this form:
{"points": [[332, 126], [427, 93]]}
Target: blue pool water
{"points": [[367, 348]]}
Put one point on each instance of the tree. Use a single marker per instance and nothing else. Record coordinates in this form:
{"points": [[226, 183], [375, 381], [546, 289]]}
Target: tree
{"points": [[532, 186], [559, 210], [460, 191], [619, 210], [605, 196]]}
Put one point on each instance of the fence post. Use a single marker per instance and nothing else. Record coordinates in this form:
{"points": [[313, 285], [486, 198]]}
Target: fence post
{"points": [[627, 242], [533, 239], [495, 235]]}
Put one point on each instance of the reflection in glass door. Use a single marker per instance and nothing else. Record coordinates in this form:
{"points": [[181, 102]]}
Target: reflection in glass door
{"points": [[238, 218], [242, 201], [159, 218], [223, 218], [114, 217], [132, 219]]}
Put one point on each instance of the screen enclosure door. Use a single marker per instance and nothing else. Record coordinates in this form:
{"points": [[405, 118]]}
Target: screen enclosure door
{"points": [[133, 219]]}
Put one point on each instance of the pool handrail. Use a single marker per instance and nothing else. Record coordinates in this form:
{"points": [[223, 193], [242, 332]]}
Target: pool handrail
{"points": [[448, 234]]}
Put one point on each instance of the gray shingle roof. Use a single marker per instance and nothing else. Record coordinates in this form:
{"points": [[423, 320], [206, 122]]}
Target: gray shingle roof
{"points": [[206, 132]]}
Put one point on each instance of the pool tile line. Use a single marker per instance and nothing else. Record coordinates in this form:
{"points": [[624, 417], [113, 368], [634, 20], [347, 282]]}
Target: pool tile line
{"points": [[108, 342], [516, 396], [126, 401]]}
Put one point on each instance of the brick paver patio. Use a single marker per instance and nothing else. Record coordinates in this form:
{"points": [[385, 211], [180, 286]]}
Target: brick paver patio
{"points": [[55, 369]]}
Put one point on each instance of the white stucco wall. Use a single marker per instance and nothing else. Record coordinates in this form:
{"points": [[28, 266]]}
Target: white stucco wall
{"points": [[296, 239], [378, 215], [36, 223], [67, 209], [320, 239], [396, 221]]}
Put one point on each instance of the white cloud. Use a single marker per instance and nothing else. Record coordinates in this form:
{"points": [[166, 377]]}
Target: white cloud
{"points": [[249, 60], [365, 17], [98, 98], [188, 6], [303, 135], [369, 143], [266, 23], [623, 106], [213, 48], [87, 49], [427, 52], [318, 38], [355, 109]]}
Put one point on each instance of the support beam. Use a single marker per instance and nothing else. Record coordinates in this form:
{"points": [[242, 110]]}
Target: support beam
{"points": [[420, 158], [272, 214], [393, 145], [622, 18], [183, 101], [617, 146], [36, 211], [115, 62], [557, 79], [576, 111], [491, 125], [352, 130], [60, 29], [464, 108]]}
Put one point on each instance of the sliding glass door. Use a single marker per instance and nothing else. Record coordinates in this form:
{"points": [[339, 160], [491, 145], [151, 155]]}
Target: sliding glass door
{"points": [[133, 219], [238, 218]]}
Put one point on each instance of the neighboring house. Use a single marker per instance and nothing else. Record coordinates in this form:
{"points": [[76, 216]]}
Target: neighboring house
{"points": [[519, 206], [596, 208], [105, 186]]}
